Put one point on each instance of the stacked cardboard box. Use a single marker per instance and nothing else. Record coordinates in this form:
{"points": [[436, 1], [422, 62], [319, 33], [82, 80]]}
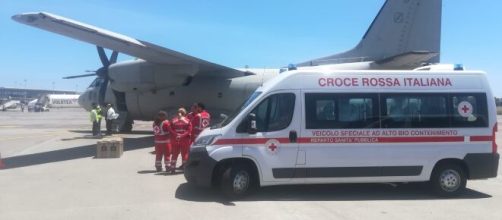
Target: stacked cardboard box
{"points": [[111, 147]]}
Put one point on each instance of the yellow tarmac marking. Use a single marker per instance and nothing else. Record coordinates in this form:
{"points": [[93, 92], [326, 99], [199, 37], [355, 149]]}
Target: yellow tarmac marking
{"points": [[9, 126]]}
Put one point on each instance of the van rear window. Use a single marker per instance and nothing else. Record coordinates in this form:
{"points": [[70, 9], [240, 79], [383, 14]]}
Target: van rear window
{"points": [[469, 110]]}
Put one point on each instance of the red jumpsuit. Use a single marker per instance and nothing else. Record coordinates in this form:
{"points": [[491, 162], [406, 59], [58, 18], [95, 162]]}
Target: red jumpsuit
{"points": [[199, 121], [162, 144], [190, 116], [180, 140]]}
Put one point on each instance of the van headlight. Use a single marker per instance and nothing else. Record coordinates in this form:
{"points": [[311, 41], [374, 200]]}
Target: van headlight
{"points": [[205, 140]]}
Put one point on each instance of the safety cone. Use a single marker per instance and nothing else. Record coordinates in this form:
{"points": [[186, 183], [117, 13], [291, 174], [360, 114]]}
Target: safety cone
{"points": [[2, 165]]}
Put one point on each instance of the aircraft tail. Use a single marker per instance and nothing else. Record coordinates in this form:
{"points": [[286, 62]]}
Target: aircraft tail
{"points": [[401, 27]]}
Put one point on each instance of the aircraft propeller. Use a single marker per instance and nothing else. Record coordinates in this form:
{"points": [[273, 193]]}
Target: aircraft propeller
{"points": [[102, 72], [80, 76]]}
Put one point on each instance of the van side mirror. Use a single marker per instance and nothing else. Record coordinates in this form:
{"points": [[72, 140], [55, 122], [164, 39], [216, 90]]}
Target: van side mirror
{"points": [[252, 129]]}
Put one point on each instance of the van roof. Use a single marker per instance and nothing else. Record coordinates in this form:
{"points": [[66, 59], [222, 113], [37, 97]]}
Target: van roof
{"points": [[381, 80]]}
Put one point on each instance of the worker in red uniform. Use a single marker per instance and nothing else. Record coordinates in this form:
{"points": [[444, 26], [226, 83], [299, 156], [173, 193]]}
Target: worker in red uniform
{"points": [[161, 131], [200, 120], [180, 141], [192, 113]]}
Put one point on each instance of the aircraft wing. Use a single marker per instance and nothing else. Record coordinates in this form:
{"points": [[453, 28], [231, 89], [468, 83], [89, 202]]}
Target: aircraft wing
{"points": [[408, 60], [121, 43]]}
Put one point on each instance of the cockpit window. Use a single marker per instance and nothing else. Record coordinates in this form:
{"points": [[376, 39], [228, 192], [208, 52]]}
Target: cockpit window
{"points": [[96, 83]]}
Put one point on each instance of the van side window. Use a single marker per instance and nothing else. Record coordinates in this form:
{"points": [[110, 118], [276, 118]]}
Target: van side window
{"points": [[272, 114], [355, 109], [325, 110], [414, 111], [469, 110]]}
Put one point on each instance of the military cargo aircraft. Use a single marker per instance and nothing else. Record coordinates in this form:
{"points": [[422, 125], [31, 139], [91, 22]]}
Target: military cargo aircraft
{"points": [[404, 35]]}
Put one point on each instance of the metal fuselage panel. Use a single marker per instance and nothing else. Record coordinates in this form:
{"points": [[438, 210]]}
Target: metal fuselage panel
{"points": [[149, 87], [152, 87]]}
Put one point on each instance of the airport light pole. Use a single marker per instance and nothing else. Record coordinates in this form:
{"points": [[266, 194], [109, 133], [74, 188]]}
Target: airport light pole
{"points": [[25, 92]]}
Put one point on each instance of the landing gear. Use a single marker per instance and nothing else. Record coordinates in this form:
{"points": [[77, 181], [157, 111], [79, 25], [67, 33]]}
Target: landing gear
{"points": [[124, 123], [126, 126]]}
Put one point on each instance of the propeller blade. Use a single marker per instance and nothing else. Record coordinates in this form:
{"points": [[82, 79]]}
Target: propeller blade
{"points": [[79, 76], [102, 56], [102, 72], [102, 91], [113, 57]]}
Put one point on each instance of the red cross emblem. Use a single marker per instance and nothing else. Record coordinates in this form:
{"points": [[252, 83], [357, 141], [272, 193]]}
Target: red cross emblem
{"points": [[205, 122], [156, 130], [465, 109], [272, 147]]}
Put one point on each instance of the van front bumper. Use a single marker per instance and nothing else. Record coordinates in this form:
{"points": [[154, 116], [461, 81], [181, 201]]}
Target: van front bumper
{"points": [[482, 165], [199, 168]]}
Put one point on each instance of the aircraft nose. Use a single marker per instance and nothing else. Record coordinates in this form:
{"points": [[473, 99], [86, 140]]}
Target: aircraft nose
{"points": [[82, 101]]}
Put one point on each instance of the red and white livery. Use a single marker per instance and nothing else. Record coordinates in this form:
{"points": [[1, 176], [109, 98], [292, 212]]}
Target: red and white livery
{"points": [[199, 121], [326, 126], [180, 140], [161, 134]]}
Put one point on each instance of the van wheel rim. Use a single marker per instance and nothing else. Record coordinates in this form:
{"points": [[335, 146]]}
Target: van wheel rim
{"points": [[449, 180], [241, 182]]}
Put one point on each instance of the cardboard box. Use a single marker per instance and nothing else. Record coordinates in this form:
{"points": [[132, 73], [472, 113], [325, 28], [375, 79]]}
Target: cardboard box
{"points": [[116, 148], [110, 148]]}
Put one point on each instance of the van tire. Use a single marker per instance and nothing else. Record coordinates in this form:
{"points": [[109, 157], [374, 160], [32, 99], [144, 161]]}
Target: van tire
{"points": [[448, 180], [237, 181]]}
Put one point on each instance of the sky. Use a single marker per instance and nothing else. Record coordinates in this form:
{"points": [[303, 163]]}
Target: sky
{"points": [[258, 33]]}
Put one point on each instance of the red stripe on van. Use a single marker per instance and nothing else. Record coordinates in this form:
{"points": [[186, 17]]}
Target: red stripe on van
{"points": [[421, 139], [248, 141], [494, 135], [481, 138], [326, 140], [323, 140]]}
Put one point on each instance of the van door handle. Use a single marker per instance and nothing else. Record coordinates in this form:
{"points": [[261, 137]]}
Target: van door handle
{"points": [[293, 136]]}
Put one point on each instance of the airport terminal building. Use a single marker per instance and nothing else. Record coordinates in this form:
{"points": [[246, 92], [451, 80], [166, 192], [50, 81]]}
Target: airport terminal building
{"points": [[26, 95]]}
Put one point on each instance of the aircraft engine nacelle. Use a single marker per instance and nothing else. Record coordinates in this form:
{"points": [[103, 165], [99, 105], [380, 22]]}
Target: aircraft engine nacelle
{"points": [[140, 75]]}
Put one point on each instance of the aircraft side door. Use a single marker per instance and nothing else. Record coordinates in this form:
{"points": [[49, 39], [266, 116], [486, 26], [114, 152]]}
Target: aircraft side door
{"points": [[274, 145]]}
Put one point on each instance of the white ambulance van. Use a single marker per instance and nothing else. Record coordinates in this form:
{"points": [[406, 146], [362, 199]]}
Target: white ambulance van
{"points": [[325, 127]]}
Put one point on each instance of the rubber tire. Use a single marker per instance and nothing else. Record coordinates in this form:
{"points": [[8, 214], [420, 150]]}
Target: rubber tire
{"points": [[227, 179], [435, 180]]}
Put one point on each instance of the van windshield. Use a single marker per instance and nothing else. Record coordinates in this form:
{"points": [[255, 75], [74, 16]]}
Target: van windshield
{"points": [[231, 117]]}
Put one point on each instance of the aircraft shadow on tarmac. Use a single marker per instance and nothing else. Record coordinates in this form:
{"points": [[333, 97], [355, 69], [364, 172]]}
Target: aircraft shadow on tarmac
{"points": [[331, 192], [87, 131], [70, 153]]}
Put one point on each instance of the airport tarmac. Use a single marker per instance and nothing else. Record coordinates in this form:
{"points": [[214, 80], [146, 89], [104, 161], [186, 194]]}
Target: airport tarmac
{"points": [[52, 174]]}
